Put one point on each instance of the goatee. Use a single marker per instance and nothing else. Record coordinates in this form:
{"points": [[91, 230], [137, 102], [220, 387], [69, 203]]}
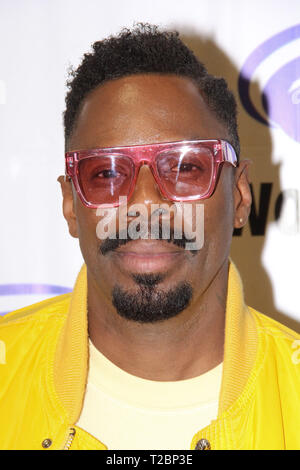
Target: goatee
{"points": [[149, 303]]}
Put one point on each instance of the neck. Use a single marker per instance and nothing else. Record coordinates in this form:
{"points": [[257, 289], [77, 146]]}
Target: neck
{"points": [[179, 348]]}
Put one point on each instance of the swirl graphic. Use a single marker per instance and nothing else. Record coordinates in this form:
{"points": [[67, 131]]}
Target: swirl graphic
{"points": [[277, 62]]}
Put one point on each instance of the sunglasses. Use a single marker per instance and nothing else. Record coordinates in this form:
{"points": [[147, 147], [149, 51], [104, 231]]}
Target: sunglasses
{"points": [[183, 171]]}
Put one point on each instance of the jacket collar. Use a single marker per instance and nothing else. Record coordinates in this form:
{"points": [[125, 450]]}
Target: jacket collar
{"points": [[241, 342], [71, 356]]}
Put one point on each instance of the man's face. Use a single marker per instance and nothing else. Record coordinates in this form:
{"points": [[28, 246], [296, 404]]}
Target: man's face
{"points": [[151, 277]]}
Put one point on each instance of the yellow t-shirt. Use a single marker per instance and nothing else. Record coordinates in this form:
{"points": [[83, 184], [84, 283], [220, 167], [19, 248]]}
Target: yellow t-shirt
{"points": [[127, 412]]}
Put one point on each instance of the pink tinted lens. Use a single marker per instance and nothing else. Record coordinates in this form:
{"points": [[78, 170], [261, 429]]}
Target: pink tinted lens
{"points": [[186, 172], [103, 179]]}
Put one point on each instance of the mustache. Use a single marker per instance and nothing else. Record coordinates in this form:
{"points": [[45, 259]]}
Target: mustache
{"points": [[123, 237]]}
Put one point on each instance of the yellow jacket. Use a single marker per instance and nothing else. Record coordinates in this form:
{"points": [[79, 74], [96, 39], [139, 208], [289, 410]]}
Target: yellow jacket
{"points": [[43, 371]]}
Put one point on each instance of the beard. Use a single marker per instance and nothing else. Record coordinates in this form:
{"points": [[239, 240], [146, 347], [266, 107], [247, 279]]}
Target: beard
{"points": [[149, 303]]}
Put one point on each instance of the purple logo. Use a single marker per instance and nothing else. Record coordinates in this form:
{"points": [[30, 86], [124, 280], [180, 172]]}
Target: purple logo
{"points": [[280, 98]]}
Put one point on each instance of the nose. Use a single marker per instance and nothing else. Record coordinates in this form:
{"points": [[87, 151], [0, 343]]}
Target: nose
{"points": [[147, 192]]}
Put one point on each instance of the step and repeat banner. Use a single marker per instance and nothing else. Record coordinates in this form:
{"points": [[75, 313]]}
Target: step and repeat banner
{"points": [[254, 45]]}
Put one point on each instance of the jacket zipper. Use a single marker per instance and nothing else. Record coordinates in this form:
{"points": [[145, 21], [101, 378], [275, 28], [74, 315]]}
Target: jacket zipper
{"points": [[70, 439]]}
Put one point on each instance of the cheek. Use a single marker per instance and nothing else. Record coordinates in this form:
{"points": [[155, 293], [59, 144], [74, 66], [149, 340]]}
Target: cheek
{"points": [[93, 226], [219, 219], [86, 228]]}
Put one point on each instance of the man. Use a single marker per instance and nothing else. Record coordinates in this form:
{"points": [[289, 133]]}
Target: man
{"points": [[155, 348]]}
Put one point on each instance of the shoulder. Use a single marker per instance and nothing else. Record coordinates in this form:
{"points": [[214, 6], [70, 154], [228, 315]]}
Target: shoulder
{"points": [[281, 345], [28, 340], [268, 326], [23, 329], [39, 311]]}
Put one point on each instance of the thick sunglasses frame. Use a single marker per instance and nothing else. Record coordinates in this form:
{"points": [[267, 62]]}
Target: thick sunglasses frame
{"points": [[139, 155]]}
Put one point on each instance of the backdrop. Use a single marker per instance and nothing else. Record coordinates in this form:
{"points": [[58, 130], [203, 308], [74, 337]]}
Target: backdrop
{"points": [[254, 45]]}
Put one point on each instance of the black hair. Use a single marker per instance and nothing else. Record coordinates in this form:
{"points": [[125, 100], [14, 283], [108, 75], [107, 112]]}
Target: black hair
{"points": [[146, 49]]}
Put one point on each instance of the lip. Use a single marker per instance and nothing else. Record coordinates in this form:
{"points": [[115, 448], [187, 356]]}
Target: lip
{"points": [[147, 256]]}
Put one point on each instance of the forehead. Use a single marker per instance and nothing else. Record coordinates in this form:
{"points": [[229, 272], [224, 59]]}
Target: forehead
{"points": [[142, 109]]}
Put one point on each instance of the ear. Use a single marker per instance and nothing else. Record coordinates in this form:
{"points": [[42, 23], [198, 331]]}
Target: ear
{"points": [[68, 204], [242, 194]]}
